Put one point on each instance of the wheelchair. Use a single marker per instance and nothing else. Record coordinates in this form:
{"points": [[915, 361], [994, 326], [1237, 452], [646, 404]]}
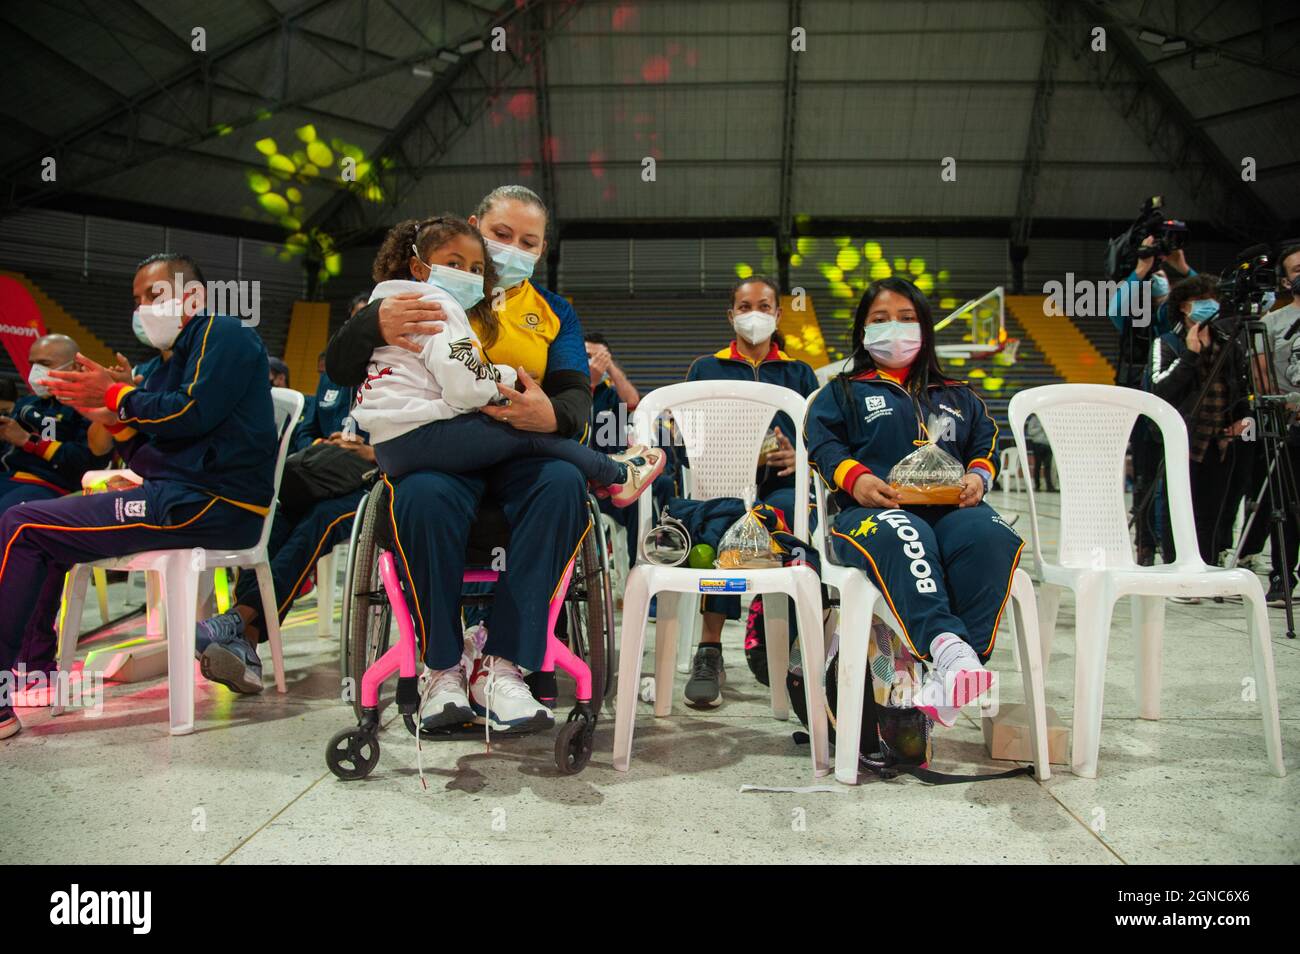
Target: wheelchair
{"points": [[580, 640]]}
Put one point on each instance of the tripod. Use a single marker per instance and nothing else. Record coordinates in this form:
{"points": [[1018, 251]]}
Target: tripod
{"points": [[1280, 487]]}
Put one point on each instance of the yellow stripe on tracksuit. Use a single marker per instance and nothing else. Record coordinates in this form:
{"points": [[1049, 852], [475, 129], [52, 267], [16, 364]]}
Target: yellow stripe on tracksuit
{"points": [[406, 567], [283, 608]]}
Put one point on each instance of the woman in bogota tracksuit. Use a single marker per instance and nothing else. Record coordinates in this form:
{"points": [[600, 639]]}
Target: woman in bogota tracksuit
{"points": [[945, 571], [754, 355]]}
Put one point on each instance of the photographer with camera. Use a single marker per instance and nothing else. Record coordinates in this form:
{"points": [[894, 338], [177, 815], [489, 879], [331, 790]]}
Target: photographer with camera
{"points": [[1151, 252], [1283, 330], [1210, 389]]}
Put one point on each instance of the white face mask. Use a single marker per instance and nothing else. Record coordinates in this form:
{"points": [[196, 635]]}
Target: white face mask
{"points": [[161, 322], [36, 380], [755, 326], [892, 344]]}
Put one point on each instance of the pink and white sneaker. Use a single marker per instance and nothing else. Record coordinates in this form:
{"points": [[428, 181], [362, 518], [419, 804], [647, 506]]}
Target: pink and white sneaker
{"points": [[643, 465], [955, 679]]}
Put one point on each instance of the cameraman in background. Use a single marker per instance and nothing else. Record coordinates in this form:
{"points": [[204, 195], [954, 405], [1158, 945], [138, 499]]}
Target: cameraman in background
{"points": [[1283, 325], [1210, 390], [1155, 246]]}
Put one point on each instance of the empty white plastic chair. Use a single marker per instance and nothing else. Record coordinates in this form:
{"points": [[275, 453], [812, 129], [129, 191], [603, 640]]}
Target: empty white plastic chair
{"points": [[722, 424], [1010, 470], [860, 600], [1089, 425], [179, 572]]}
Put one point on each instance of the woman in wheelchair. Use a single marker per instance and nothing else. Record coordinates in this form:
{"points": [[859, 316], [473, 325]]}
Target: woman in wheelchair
{"points": [[945, 571], [420, 409], [542, 500]]}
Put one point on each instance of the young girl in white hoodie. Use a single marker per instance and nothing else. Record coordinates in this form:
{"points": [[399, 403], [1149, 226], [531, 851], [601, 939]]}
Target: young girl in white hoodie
{"points": [[421, 409]]}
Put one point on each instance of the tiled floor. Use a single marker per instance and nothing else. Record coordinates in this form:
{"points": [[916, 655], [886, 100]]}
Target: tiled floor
{"points": [[251, 784]]}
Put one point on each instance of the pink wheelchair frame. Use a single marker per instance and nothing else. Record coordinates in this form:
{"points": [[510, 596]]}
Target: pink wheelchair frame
{"points": [[354, 752]]}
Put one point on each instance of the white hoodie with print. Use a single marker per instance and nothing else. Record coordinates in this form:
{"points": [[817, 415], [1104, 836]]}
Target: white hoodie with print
{"points": [[450, 376]]}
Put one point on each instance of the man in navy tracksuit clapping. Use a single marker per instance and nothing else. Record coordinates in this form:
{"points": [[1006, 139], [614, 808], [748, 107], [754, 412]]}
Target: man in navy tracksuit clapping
{"points": [[201, 432]]}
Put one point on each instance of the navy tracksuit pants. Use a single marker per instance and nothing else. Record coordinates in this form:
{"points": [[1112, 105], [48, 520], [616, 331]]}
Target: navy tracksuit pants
{"points": [[473, 442], [941, 569], [545, 504], [296, 543], [41, 540], [39, 645]]}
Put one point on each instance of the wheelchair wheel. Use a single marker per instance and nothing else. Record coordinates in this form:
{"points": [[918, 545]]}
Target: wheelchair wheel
{"points": [[369, 617], [590, 609], [349, 577], [353, 753], [573, 743]]}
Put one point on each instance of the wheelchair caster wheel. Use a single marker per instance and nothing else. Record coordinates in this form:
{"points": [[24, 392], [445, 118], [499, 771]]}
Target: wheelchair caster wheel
{"points": [[352, 754], [573, 747]]}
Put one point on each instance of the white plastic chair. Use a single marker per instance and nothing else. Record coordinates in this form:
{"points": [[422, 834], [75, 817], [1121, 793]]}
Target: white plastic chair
{"points": [[860, 601], [179, 572], [1089, 426], [1010, 470], [722, 424]]}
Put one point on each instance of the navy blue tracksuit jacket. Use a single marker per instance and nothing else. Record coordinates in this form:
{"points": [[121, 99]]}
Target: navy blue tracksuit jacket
{"points": [[201, 432], [941, 569]]}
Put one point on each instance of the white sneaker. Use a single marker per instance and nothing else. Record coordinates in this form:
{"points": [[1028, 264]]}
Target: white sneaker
{"points": [[501, 699], [443, 695]]}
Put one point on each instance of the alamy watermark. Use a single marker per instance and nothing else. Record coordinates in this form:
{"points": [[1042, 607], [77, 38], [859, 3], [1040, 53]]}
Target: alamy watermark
{"points": [[237, 298], [1083, 298]]}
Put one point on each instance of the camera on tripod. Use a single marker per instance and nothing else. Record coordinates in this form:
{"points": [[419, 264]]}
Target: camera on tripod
{"points": [[1125, 250], [1241, 291]]}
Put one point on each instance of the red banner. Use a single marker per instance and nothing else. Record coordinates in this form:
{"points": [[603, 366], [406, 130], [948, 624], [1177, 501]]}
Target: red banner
{"points": [[20, 322]]}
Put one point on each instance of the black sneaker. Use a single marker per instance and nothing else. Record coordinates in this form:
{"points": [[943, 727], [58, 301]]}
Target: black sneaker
{"points": [[707, 676], [1276, 596]]}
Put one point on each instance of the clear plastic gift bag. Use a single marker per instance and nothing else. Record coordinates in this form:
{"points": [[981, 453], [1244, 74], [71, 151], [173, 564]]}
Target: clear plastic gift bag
{"points": [[747, 544], [929, 475]]}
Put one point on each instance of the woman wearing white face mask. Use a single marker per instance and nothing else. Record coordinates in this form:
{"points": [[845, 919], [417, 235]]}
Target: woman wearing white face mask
{"points": [[754, 354], [945, 570]]}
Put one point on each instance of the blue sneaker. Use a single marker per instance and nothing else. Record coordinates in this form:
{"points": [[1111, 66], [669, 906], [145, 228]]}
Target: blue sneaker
{"points": [[233, 664], [220, 629]]}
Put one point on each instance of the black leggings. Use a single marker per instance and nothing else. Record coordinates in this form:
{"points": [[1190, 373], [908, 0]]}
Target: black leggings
{"points": [[472, 442], [1042, 464]]}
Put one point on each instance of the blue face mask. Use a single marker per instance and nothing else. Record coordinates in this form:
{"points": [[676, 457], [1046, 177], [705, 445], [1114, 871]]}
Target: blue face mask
{"points": [[1159, 286], [465, 287], [1267, 302], [513, 264], [1203, 310]]}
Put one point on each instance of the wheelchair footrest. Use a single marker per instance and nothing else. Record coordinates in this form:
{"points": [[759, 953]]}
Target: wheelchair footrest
{"points": [[543, 687], [408, 694]]}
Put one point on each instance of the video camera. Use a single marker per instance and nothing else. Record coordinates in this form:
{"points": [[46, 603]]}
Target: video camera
{"points": [[1241, 290], [1123, 251], [1243, 285]]}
